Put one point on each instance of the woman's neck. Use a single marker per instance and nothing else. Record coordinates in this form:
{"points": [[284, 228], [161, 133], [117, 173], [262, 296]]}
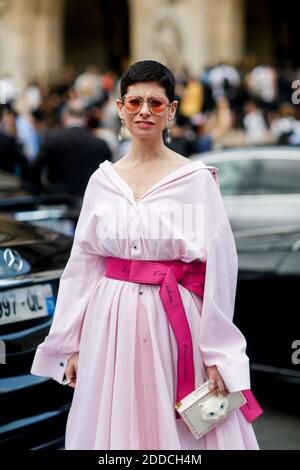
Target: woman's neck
{"points": [[147, 151]]}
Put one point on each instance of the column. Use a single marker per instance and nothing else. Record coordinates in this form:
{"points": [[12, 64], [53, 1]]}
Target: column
{"points": [[191, 33], [30, 39]]}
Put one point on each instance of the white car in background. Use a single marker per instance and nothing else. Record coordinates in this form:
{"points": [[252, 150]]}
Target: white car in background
{"points": [[260, 186], [261, 191]]}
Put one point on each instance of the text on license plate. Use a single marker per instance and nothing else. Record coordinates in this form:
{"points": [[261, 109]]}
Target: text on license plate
{"points": [[26, 303]]}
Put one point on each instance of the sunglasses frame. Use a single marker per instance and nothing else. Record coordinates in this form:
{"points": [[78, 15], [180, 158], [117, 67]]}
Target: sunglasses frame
{"points": [[142, 102]]}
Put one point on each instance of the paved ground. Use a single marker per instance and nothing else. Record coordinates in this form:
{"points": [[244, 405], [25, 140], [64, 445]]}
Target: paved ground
{"points": [[277, 430]]}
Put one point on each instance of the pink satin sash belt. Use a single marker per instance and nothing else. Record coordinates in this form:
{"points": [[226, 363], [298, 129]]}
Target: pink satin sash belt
{"points": [[167, 274]]}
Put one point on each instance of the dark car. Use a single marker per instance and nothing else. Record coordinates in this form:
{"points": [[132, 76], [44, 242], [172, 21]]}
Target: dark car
{"points": [[267, 303], [57, 212], [33, 409]]}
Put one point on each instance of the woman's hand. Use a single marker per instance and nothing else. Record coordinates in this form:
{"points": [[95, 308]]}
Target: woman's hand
{"points": [[219, 385], [71, 369]]}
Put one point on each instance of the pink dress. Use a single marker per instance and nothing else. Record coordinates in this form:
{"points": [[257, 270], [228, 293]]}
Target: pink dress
{"points": [[126, 382]]}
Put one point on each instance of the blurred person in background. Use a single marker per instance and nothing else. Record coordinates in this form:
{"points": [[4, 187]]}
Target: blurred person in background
{"points": [[219, 95], [33, 96], [89, 87], [108, 80], [192, 98], [180, 84], [203, 141], [65, 80], [208, 100], [12, 160], [224, 80], [70, 154], [220, 121], [262, 84], [98, 129], [257, 132], [109, 116], [286, 75], [285, 127], [52, 106], [10, 88], [182, 136], [39, 122], [28, 136], [8, 122]]}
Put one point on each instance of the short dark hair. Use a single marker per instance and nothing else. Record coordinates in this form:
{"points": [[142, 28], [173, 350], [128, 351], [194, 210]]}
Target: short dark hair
{"points": [[148, 71]]}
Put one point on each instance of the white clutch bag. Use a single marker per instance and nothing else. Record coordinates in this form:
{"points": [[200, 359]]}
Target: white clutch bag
{"points": [[201, 410]]}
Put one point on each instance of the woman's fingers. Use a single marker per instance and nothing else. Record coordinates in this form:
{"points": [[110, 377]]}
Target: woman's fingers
{"points": [[221, 386], [213, 390], [216, 384], [212, 383], [70, 376], [70, 372]]}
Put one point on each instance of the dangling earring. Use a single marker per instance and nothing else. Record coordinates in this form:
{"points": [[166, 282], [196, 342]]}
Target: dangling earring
{"points": [[120, 136], [168, 138]]}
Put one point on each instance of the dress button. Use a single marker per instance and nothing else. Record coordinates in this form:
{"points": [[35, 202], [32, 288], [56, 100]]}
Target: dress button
{"points": [[140, 293], [61, 364], [135, 247]]}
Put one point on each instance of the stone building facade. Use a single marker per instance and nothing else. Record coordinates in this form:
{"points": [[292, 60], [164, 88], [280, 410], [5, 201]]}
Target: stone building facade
{"points": [[38, 37]]}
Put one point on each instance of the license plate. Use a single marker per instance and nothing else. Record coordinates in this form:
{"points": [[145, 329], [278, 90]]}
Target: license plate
{"points": [[26, 303]]}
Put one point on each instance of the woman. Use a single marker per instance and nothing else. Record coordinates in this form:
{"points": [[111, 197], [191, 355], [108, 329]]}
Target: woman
{"points": [[112, 336]]}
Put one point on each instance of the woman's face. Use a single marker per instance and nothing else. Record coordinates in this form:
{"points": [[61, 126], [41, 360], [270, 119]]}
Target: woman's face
{"points": [[146, 123]]}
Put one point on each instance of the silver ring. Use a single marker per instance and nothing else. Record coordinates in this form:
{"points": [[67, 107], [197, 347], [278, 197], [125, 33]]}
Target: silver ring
{"points": [[212, 382]]}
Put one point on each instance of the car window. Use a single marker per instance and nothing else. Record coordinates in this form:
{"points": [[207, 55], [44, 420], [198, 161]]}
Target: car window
{"points": [[265, 176], [279, 177], [236, 176]]}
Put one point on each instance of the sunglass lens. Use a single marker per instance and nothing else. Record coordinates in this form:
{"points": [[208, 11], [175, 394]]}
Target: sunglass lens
{"points": [[157, 105], [132, 104]]}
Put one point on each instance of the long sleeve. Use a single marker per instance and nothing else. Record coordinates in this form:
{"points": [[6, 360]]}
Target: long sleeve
{"points": [[220, 341], [82, 272]]}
